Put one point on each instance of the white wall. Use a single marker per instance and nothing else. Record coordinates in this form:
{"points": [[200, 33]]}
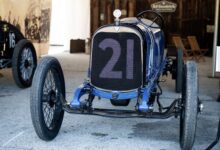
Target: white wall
{"points": [[70, 19], [216, 47]]}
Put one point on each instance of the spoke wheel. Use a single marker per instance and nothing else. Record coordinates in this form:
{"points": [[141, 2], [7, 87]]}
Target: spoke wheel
{"points": [[24, 62], [155, 17], [189, 111], [47, 93]]}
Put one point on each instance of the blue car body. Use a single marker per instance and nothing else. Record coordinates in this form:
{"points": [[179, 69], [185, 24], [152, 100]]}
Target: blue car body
{"points": [[127, 59], [153, 60]]}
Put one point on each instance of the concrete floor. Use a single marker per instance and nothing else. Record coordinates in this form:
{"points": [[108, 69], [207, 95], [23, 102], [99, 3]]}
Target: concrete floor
{"points": [[97, 133]]}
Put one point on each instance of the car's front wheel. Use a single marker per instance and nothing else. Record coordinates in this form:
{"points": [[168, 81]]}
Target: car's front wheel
{"points": [[189, 103], [47, 93]]}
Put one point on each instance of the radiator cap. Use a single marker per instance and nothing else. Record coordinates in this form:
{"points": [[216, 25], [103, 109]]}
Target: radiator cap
{"points": [[117, 13]]}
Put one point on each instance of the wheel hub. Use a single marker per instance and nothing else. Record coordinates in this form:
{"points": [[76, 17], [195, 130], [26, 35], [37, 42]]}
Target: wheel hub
{"points": [[52, 98], [27, 63]]}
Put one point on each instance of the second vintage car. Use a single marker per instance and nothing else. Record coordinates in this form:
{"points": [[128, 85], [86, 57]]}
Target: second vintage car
{"points": [[17, 52]]}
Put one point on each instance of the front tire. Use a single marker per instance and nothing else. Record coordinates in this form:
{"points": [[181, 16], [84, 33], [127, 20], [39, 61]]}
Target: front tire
{"points": [[47, 92], [24, 63], [189, 103]]}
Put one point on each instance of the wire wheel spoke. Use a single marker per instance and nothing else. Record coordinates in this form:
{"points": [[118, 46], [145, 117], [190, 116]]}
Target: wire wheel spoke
{"points": [[49, 100], [48, 114]]}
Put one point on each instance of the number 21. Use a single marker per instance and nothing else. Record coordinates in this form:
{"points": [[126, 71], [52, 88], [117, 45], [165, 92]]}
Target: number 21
{"points": [[107, 71]]}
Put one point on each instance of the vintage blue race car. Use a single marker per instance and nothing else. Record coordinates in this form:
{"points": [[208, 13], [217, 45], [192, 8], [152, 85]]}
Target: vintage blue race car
{"points": [[127, 61], [17, 52]]}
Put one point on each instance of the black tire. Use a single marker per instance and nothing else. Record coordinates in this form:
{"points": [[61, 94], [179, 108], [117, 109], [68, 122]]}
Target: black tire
{"points": [[24, 63], [179, 70], [120, 102], [189, 111], [47, 91]]}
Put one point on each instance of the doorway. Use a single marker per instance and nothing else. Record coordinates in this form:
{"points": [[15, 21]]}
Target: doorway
{"points": [[70, 19]]}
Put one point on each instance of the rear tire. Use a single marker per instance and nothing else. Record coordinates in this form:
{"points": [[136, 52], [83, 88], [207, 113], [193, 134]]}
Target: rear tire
{"points": [[179, 70], [24, 63], [47, 92], [189, 103]]}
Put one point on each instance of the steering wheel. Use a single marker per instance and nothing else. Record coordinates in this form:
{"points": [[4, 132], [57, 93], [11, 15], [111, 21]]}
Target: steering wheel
{"points": [[156, 19]]}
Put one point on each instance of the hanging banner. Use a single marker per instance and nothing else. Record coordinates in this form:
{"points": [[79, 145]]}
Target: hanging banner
{"points": [[164, 6]]}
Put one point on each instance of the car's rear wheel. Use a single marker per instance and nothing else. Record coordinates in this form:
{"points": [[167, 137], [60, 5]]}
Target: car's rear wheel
{"points": [[189, 103], [47, 92], [120, 102], [24, 62], [179, 70]]}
